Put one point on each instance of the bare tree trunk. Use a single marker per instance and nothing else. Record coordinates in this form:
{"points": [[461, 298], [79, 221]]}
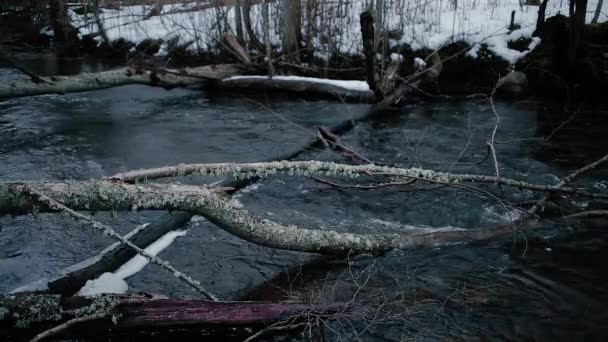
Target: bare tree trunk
{"points": [[238, 21], [598, 11], [311, 18], [266, 19], [253, 39], [571, 7], [291, 29], [99, 23], [540, 20], [576, 30], [368, 35], [379, 19], [62, 28]]}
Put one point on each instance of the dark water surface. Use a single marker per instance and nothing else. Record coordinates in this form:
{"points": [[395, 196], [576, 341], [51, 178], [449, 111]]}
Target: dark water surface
{"points": [[512, 289]]}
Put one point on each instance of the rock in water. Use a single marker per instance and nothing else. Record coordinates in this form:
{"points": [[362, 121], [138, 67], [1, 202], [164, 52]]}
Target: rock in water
{"points": [[515, 83]]}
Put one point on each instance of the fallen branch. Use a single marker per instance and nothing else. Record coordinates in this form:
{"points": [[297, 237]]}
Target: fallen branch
{"points": [[229, 215], [317, 168], [114, 78], [541, 203]]}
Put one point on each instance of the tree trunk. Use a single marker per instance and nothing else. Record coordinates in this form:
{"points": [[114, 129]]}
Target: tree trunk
{"points": [[64, 32], [576, 30], [311, 18], [253, 39], [598, 11], [266, 19], [238, 21], [540, 20], [571, 7], [98, 21], [368, 35], [291, 30]]}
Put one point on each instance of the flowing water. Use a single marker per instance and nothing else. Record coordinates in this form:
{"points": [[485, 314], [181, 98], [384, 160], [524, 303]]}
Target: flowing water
{"points": [[549, 285]]}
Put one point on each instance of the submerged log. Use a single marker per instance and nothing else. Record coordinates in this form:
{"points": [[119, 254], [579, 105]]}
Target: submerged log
{"points": [[114, 78], [25, 315], [72, 279]]}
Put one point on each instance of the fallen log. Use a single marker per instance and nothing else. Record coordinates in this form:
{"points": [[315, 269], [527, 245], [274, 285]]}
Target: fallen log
{"points": [[230, 215], [113, 78], [75, 275], [28, 314]]}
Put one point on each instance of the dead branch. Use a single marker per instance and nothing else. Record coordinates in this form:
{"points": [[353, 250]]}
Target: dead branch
{"points": [[317, 168], [540, 204]]}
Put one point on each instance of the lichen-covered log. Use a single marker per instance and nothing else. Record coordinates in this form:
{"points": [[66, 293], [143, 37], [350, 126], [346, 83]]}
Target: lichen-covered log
{"points": [[24, 315], [227, 214], [114, 78], [317, 168]]}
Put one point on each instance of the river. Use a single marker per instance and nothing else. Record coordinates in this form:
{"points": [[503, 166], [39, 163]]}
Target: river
{"points": [[550, 285]]}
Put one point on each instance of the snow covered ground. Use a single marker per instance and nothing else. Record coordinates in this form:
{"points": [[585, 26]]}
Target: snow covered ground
{"points": [[419, 23]]}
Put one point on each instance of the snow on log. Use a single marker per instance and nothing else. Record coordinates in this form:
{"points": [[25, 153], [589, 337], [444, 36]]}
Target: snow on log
{"points": [[346, 90], [114, 78]]}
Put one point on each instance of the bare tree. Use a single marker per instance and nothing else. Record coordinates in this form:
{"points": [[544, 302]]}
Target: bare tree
{"points": [[291, 29], [598, 11], [238, 21]]}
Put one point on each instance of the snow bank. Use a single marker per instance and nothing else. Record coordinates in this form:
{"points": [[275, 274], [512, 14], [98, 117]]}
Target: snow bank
{"points": [[115, 282], [350, 85], [420, 23]]}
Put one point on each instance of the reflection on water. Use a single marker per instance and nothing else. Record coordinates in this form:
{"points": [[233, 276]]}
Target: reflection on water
{"points": [[520, 289]]}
